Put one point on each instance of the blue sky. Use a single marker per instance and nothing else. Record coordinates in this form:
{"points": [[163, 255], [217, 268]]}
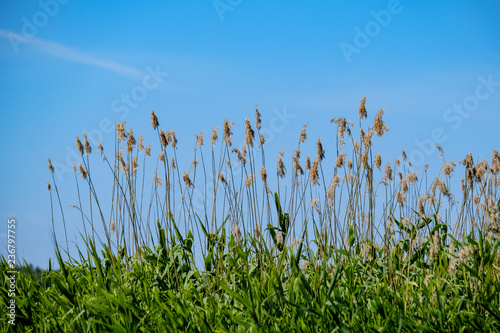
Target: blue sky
{"points": [[67, 68]]}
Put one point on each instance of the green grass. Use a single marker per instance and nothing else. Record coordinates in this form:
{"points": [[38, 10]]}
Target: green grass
{"points": [[368, 251]]}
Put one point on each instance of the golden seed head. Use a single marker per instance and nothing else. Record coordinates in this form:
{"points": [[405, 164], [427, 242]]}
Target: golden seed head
{"points": [[228, 132], [495, 157], [240, 157], [296, 165], [364, 160], [367, 139], [79, 146], [313, 173], [480, 170], [195, 163], [222, 178], [51, 168], [441, 150], [249, 133], [340, 160], [442, 187], [163, 138], [174, 140], [468, 161], [342, 127], [349, 164], [249, 181], [263, 175], [88, 149], [355, 145], [262, 140], [320, 153], [154, 120], [447, 169], [388, 171], [257, 118], [401, 198], [82, 171], [281, 166], [369, 177], [308, 163], [141, 142], [131, 141], [74, 166], [476, 199], [362, 109], [397, 162], [99, 146], [148, 150], [186, 179], [199, 139], [161, 157], [112, 227], [378, 161], [48, 186], [335, 181], [120, 129], [168, 136], [421, 201], [315, 204], [404, 154], [495, 162], [303, 134], [157, 180], [172, 163], [378, 125], [404, 185], [412, 178], [134, 165], [214, 136]]}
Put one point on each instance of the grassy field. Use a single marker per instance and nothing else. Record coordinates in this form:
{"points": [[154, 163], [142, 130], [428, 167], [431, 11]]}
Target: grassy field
{"points": [[355, 244]]}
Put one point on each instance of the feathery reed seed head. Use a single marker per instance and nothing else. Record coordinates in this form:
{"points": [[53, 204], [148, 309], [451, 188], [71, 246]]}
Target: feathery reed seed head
{"points": [[378, 161], [228, 132], [378, 125], [79, 146], [320, 153], [362, 109], [249, 133], [82, 171], [88, 149], [257, 118], [313, 173], [262, 140], [303, 134], [214, 136], [281, 165], [186, 179], [154, 120], [199, 139], [51, 167]]}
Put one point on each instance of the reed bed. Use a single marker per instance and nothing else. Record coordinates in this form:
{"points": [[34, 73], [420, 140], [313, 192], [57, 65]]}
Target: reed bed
{"points": [[241, 241]]}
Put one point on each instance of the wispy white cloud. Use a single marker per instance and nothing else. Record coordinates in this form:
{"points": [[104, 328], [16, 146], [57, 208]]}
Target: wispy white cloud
{"points": [[64, 52]]}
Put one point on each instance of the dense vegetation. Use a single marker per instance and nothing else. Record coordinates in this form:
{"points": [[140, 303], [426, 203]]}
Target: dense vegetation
{"points": [[374, 249]]}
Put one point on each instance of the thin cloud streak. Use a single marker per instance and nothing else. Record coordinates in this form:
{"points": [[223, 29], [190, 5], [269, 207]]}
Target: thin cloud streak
{"points": [[64, 52]]}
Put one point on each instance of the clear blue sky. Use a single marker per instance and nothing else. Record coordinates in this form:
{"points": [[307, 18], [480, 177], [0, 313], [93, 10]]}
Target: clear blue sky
{"points": [[67, 68]]}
